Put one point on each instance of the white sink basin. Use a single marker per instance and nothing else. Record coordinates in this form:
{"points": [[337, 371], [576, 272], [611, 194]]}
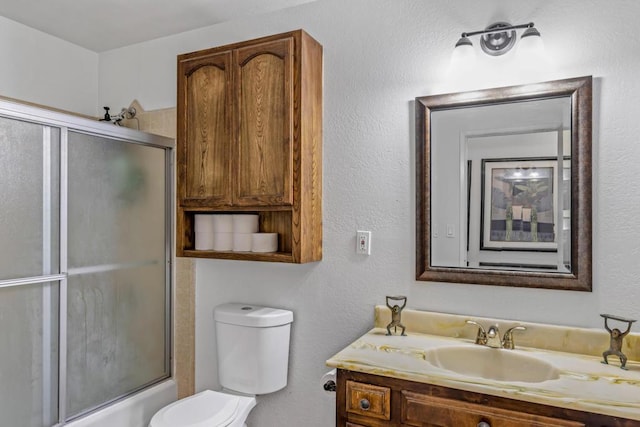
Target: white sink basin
{"points": [[492, 363]]}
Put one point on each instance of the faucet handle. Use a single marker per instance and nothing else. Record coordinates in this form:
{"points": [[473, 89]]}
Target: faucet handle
{"points": [[507, 340], [481, 338]]}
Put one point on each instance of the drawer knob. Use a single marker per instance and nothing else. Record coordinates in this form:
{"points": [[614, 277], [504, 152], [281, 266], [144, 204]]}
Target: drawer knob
{"points": [[365, 405], [484, 424]]}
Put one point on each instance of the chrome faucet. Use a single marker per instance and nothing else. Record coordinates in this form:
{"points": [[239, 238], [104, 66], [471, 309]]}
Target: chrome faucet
{"points": [[491, 337]]}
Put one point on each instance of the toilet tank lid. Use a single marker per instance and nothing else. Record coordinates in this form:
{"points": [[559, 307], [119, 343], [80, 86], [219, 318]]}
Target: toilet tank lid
{"points": [[251, 315]]}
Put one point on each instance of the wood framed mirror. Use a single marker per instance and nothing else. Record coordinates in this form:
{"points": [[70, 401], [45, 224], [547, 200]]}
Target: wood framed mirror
{"points": [[503, 186]]}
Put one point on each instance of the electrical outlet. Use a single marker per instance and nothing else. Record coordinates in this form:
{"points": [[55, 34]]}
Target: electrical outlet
{"points": [[363, 242]]}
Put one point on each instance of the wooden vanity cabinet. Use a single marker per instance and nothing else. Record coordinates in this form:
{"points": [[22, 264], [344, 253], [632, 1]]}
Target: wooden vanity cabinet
{"points": [[366, 400], [250, 140]]}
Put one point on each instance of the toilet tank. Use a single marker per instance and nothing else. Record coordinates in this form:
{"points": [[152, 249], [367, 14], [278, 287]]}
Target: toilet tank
{"points": [[252, 345]]}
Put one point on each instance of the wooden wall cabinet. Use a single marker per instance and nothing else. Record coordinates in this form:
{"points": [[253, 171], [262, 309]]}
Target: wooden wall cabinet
{"points": [[366, 400], [250, 140]]}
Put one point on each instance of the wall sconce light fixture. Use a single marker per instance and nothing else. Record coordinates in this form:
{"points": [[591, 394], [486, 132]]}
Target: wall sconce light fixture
{"points": [[497, 39]]}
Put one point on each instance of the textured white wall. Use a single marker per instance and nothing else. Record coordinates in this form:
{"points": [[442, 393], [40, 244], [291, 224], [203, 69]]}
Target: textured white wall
{"points": [[39, 68], [379, 55]]}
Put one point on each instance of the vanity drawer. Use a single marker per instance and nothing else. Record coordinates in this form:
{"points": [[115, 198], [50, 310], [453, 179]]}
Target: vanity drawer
{"points": [[368, 400], [423, 410]]}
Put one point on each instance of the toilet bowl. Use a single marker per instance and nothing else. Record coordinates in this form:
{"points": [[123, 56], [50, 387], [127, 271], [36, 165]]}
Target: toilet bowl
{"points": [[252, 345], [205, 409]]}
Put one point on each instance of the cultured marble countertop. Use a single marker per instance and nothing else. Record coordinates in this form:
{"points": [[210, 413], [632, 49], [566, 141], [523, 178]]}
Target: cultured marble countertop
{"points": [[584, 383]]}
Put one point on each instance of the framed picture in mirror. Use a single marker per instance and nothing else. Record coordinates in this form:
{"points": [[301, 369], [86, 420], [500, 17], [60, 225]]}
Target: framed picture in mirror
{"points": [[519, 205]]}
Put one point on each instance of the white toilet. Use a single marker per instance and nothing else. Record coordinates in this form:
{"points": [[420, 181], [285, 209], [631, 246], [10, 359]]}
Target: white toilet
{"points": [[253, 358]]}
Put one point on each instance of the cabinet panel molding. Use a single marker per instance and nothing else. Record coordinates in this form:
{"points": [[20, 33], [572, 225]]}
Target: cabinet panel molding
{"points": [[208, 149]]}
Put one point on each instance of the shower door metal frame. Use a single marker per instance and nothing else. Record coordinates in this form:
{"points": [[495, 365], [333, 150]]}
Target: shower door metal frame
{"points": [[68, 122]]}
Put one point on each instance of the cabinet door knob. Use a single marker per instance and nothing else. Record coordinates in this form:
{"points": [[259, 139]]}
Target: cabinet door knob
{"points": [[484, 424], [365, 405]]}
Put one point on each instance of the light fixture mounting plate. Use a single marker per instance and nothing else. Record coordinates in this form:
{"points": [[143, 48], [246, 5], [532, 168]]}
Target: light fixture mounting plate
{"points": [[496, 42]]}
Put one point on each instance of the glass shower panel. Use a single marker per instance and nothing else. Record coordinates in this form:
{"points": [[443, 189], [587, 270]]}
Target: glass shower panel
{"points": [[116, 203], [29, 158], [116, 335], [117, 261], [29, 355]]}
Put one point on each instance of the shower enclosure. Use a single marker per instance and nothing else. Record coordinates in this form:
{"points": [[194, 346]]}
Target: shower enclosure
{"points": [[85, 271]]}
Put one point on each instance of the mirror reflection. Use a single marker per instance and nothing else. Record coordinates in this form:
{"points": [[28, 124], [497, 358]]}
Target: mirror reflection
{"points": [[504, 186], [501, 194]]}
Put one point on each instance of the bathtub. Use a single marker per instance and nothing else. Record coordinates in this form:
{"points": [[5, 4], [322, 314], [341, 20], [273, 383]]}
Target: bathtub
{"points": [[135, 411]]}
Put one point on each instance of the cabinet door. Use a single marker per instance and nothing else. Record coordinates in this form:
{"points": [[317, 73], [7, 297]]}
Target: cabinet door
{"points": [[205, 149], [428, 411], [264, 110]]}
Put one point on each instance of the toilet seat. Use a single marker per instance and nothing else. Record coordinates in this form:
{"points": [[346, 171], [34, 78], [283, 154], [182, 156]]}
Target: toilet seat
{"points": [[205, 409]]}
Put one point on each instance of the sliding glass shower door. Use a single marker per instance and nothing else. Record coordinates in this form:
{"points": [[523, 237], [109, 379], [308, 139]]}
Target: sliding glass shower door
{"points": [[29, 273], [116, 264], [85, 226]]}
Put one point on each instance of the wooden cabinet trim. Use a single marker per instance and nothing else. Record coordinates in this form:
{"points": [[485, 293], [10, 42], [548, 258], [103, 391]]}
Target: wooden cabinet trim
{"points": [[281, 47], [218, 59]]}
